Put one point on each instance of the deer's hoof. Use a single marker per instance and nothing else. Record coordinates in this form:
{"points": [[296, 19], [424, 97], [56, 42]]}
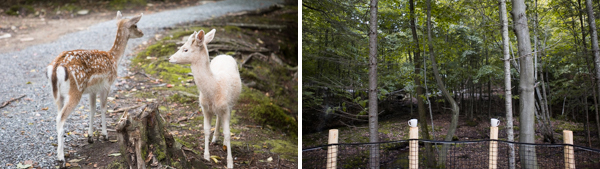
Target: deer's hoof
{"points": [[215, 142], [61, 164], [104, 138], [90, 139]]}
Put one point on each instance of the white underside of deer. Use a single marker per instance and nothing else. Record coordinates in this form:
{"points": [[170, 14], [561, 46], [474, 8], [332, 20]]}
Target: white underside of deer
{"points": [[78, 72], [218, 83]]}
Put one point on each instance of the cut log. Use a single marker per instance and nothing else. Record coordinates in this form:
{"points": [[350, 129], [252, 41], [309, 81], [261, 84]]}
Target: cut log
{"points": [[145, 141], [259, 11], [256, 26]]}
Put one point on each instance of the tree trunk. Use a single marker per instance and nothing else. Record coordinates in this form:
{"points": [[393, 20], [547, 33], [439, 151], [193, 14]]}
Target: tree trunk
{"points": [[594, 37], [596, 110], [373, 132], [420, 90], [145, 142], [410, 94], [545, 122], [526, 82], [587, 120], [440, 84]]}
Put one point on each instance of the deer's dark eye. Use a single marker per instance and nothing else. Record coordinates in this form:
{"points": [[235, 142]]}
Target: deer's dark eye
{"points": [[184, 50], [134, 26]]}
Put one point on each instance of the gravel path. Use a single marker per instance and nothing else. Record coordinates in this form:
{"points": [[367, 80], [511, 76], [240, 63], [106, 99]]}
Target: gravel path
{"points": [[27, 132]]}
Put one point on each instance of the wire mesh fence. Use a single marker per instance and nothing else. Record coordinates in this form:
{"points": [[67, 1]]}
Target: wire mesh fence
{"points": [[459, 154]]}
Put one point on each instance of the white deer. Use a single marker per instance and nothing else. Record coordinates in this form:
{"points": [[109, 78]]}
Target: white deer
{"points": [[77, 72], [218, 83]]}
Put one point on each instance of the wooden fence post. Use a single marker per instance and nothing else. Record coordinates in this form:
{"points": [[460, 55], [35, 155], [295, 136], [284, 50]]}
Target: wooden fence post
{"points": [[413, 156], [332, 150], [493, 148], [569, 152]]}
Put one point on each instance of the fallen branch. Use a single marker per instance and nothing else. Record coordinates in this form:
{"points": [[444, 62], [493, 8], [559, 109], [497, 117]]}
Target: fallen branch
{"points": [[258, 55], [187, 94], [259, 11], [256, 26], [292, 68], [223, 47], [127, 108], [276, 59], [11, 100]]}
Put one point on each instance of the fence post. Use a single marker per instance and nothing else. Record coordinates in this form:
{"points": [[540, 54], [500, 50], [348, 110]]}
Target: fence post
{"points": [[413, 156], [332, 150], [493, 148], [569, 152]]}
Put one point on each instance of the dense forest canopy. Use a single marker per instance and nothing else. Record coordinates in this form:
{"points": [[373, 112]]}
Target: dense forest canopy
{"points": [[467, 45]]}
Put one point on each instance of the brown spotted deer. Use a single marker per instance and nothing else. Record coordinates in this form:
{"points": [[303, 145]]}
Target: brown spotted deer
{"points": [[77, 72], [218, 83]]}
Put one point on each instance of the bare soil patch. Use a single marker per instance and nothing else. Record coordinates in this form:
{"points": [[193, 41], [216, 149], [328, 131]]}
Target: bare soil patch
{"points": [[48, 21]]}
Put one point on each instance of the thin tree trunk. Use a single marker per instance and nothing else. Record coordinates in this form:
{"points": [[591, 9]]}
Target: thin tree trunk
{"points": [[596, 110], [564, 103], [410, 94], [594, 37], [440, 84], [587, 120], [548, 111], [420, 89], [526, 82], [428, 145], [490, 97], [373, 120], [544, 121]]}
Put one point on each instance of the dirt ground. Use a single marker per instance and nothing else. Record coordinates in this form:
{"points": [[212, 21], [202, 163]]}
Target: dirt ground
{"points": [[19, 32]]}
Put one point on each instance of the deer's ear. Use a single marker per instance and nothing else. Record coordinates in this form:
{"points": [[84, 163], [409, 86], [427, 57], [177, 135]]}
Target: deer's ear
{"points": [[199, 38], [119, 16], [191, 38], [134, 20], [209, 36]]}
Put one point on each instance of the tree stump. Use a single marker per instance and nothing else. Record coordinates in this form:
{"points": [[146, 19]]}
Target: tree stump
{"points": [[146, 143]]}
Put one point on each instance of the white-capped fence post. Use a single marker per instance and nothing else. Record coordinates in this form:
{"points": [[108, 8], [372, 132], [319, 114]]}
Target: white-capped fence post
{"points": [[332, 150], [493, 148], [413, 156], [569, 152]]}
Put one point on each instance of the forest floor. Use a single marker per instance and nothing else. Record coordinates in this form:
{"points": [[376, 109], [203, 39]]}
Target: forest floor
{"points": [[394, 127], [269, 88]]}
